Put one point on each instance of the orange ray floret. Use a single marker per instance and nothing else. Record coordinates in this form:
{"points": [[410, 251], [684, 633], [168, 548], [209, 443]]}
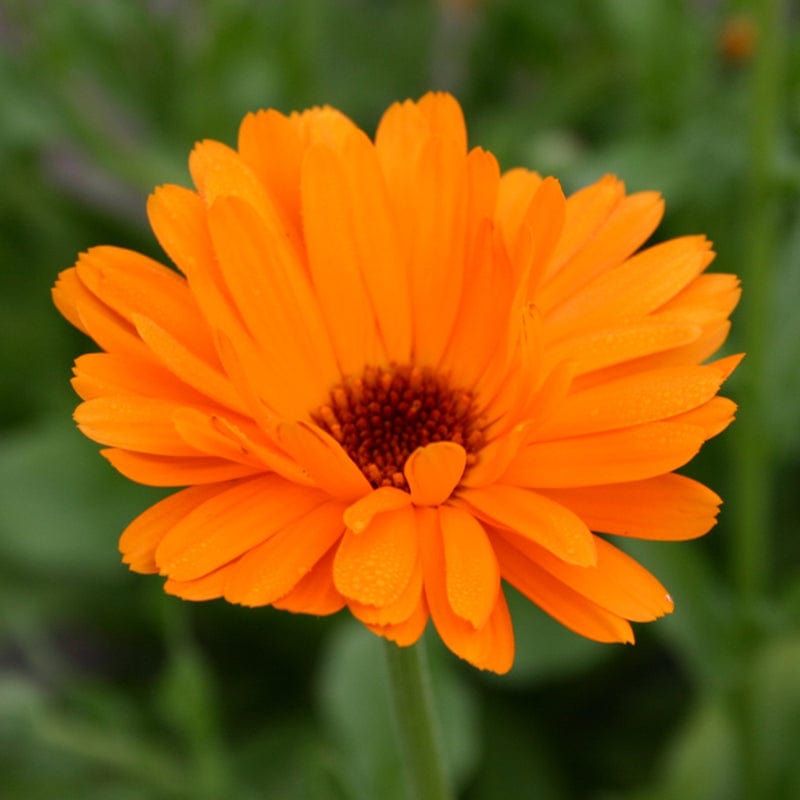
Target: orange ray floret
{"points": [[388, 378]]}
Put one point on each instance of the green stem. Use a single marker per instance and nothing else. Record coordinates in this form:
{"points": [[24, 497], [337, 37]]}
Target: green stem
{"points": [[753, 479], [751, 551], [419, 735]]}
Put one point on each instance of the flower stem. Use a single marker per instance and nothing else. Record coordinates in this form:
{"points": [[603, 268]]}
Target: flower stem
{"points": [[419, 735]]}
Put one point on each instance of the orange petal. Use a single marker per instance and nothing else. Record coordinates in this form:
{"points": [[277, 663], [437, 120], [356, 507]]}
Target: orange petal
{"points": [[445, 118], [314, 592], [273, 569], [708, 298], [369, 237], [623, 342], [408, 631], [695, 352], [712, 417], [422, 153], [490, 647], [359, 515], [130, 283], [219, 171], [142, 424], [516, 191], [627, 227], [632, 400], [481, 325], [633, 289], [401, 134], [472, 574], [433, 472], [335, 264], [437, 247], [396, 612], [483, 177], [666, 507], [535, 517], [217, 436], [174, 470], [140, 539], [630, 454], [515, 384], [185, 365], [725, 366], [110, 330], [494, 458], [231, 524], [587, 211], [324, 125], [262, 134], [543, 224], [570, 608], [244, 364], [65, 293], [323, 459], [375, 566], [178, 219], [208, 587], [206, 434], [101, 374], [616, 582], [276, 301]]}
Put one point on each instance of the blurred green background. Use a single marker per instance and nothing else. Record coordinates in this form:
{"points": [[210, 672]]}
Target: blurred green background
{"points": [[111, 690]]}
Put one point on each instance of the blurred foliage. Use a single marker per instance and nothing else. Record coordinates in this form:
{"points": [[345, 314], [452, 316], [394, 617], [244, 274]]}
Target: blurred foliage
{"points": [[110, 690]]}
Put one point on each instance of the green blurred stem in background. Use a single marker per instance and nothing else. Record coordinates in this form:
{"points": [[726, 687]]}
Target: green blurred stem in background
{"points": [[754, 477], [421, 746]]}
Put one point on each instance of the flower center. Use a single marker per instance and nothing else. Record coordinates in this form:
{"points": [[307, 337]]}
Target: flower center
{"points": [[382, 417]]}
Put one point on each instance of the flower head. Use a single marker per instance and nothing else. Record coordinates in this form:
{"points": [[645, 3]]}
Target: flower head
{"points": [[391, 377]]}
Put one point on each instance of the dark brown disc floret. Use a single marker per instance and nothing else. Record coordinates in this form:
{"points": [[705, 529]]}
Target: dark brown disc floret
{"points": [[381, 417]]}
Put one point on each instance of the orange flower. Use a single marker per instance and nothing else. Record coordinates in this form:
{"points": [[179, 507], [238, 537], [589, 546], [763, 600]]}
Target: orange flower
{"points": [[392, 378]]}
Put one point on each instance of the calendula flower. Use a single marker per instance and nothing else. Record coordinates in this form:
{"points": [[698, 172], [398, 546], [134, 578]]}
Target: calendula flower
{"points": [[392, 378]]}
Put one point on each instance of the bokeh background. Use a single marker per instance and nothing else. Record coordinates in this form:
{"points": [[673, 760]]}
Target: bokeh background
{"points": [[111, 690]]}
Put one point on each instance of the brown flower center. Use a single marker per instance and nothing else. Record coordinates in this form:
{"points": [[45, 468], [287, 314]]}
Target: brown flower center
{"points": [[382, 417]]}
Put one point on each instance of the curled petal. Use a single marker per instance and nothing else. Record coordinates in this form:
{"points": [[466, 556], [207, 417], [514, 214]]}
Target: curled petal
{"points": [[359, 515], [433, 472]]}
